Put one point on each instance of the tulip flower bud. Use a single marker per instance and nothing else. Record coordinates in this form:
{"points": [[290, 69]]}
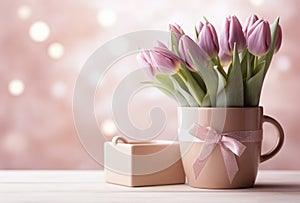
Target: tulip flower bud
{"points": [[249, 22], [176, 30], [159, 60], [259, 38], [144, 61], [198, 28], [188, 47], [208, 40], [232, 33], [278, 39]]}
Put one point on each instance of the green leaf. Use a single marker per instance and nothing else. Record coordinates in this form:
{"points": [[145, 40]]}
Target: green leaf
{"points": [[220, 68], [206, 101], [251, 62], [187, 96], [247, 64], [196, 32], [209, 76], [221, 82], [221, 97], [180, 82], [234, 90], [244, 66], [161, 87], [174, 43], [199, 80], [192, 85], [165, 79], [254, 85], [168, 83], [172, 93]]}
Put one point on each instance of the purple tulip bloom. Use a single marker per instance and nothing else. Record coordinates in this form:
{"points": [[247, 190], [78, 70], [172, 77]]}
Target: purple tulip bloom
{"points": [[259, 38], [232, 33], [199, 27], [249, 22], [187, 47], [159, 60], [176, 30], [144, 61], [208, 40]]}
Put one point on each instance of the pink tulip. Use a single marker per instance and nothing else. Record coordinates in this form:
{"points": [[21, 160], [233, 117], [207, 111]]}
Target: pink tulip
{"points": [[199, 27], [249, 22], [159, 60], [176, 30], [208, 39], [144, 61], [259, 38], [232, 33], [188, 47], [278, 39]]}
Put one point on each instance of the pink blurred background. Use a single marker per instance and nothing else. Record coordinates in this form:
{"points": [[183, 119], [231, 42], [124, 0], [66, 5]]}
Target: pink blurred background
{"points": [[44, 44]]}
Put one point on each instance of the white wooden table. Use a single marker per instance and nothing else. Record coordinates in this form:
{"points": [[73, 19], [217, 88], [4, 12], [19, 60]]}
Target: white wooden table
{"points": [[89, 186]]}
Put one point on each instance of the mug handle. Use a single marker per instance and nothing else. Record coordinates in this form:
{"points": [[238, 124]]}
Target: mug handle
{"points": [[280, 140]]}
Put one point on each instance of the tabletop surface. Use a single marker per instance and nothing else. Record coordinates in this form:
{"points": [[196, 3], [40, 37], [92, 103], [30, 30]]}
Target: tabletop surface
{"points": [[89, 186]]}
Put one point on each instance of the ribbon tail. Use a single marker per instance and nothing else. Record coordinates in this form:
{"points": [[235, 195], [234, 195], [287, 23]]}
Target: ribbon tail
{"points": [[230, 163], [203, 157], [198, 166]]}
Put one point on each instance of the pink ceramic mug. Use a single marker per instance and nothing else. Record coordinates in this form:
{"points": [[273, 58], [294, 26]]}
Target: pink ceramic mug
{"points": [[231, 158]]}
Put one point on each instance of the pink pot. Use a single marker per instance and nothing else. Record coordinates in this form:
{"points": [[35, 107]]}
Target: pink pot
{"points": [[210, 163]]}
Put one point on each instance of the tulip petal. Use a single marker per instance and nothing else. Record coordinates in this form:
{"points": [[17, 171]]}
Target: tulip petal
{"points": [[278, 39], [249, 22], [225, 59], [208, 40], [143, 62], [259, 38], [161, 45], [199, 27], [186, 46], [224, 44], [236, 35]]}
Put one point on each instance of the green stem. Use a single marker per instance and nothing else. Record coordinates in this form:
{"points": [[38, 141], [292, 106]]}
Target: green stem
{"points": [[219, 67], [255, 63]]}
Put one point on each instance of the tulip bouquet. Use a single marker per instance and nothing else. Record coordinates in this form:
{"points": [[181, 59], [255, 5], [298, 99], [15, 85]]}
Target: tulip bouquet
{"points": [[212, 71]]}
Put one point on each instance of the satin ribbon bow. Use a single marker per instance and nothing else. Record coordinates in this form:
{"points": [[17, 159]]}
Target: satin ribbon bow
{"points": [[231, 145]]}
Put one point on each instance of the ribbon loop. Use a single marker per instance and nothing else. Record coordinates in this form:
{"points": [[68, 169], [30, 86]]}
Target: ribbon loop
{"points": [[231, 145]]}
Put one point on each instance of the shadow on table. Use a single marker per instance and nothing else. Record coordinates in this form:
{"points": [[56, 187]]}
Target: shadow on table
{"points": [[268, 187]]}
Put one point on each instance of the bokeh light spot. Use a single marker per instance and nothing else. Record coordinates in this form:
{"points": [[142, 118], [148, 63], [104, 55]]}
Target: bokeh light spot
{"points": [[14, 143], [283, 63], [39, 31], [24, 12], [107, 17], [58, 89], [56, 50], [16, 87], [108, 127], [257, 2]]}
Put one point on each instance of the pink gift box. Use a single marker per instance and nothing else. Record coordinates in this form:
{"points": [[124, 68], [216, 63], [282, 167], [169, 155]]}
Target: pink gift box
{"points": [[142, 163]]}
